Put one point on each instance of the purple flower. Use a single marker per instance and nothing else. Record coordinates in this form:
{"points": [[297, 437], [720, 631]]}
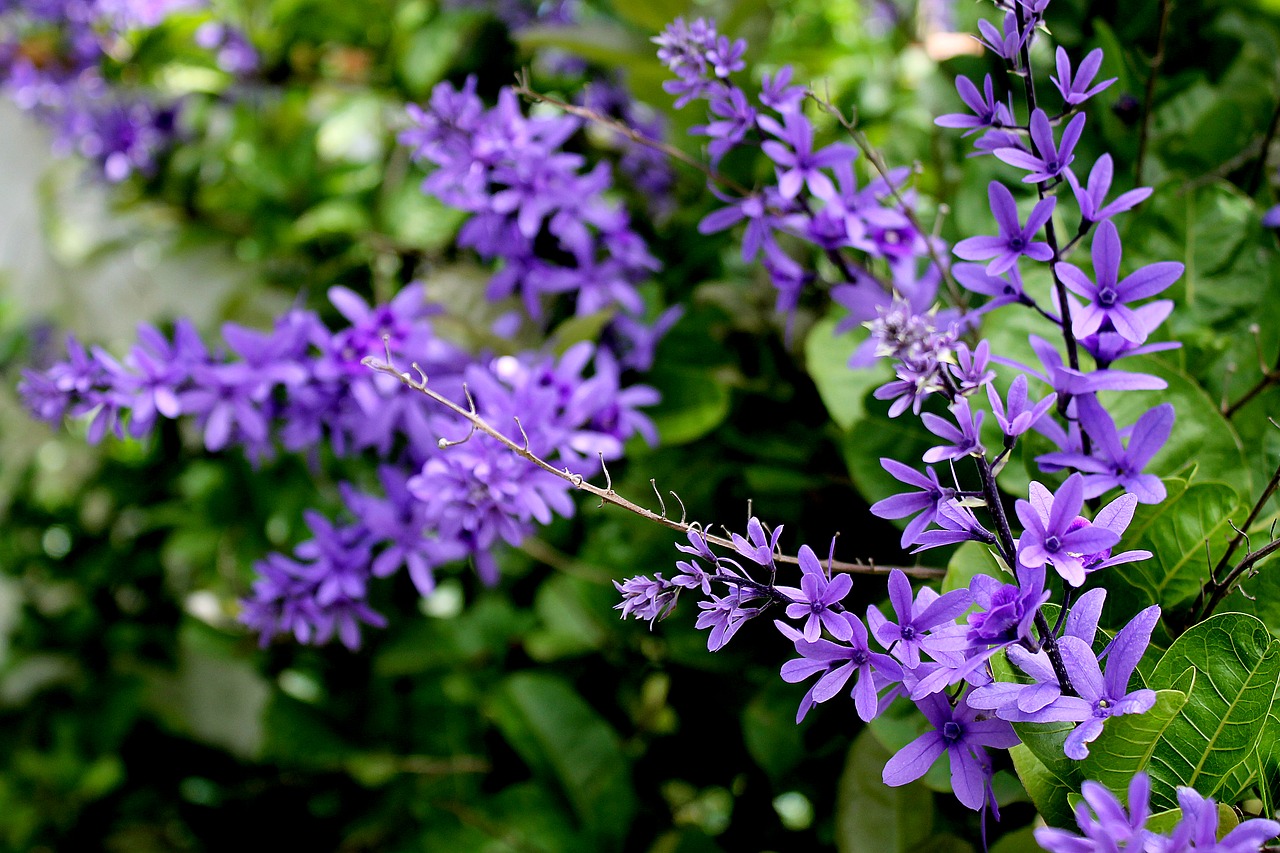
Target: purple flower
{"points": [[986, 110], [817, 599], [649, 599], [1075, 88], [724, 615], [1093, 196], [777, 93], [1006, 612], [1005, 42], [1106, 825], [1112, 463], [1050, 159], [758, 547], [797, 163], [970, 368], [1016, 418], [932, 494], [1102, 697], [905, 638], [1271, 219], [1002, 291], [1197, 831], [1047, 535], [735, 117], [1109, 294], [959, 733], [964, 439], [1014, 240], [838, 663], [956, 523]]}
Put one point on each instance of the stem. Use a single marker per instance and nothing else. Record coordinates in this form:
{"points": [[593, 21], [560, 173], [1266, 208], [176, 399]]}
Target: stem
{"points": [[1215, 590], [607, 495], [1048, 641], [1150, 96], [1255, 179], [1250, 560], [1269, 378]]}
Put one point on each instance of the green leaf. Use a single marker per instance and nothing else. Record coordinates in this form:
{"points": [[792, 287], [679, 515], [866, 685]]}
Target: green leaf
{"points": [[1237, 663], [1127, 742], [843, 389], [561, 736], [1191, 526], [1046, 790], [694, 402], [969, 560], [1045, 741], [1164, 822], [1019, 841], [872, 817]]}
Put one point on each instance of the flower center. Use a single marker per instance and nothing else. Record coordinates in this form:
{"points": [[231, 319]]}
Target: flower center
{"points": [[1052, 544], [1106, 297], [951, 731], [908, 632]]}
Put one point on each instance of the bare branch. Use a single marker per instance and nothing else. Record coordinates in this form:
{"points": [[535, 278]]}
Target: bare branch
{"points": [[608, 495]]}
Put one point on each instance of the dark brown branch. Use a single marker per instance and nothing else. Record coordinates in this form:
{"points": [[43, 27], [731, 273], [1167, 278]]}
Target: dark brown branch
{"points": [[1148, 101]]}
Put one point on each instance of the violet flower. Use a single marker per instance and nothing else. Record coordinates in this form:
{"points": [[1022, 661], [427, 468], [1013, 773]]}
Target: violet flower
{"points": [[1047, 534], [838, 663], [959, 733], [797, 163], [1112, 463], [818, 598], [1075, 87], [1016, 418], [1093, 195], [926, 501], [916, 617], [986, 111], [1106, 824], [1109, 295], [1051, 159], [964, 439], [1014, 240]]}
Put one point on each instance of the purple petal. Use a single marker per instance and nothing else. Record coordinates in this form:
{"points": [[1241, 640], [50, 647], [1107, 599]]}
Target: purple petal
{"points": [[913, 760]]}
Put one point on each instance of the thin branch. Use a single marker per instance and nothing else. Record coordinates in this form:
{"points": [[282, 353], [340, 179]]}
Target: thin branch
{"points": [[1269, 377], [1245, 566], [608, 495], [1148, 101], [1255, 178], [524, 90], [958, 297]]}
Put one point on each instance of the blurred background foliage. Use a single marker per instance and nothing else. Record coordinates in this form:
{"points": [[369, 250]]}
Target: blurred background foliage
{"points": [[135, 715]]}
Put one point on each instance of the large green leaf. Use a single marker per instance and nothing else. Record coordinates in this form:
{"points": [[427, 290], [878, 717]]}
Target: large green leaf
{"points": [[1190, 527], [1047, 791], [871, 817], [1237, 663], [562, 737], [1128, 742], [843, 389], [1045, 741]]}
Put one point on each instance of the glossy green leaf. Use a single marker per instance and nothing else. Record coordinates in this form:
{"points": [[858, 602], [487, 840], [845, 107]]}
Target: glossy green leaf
{"points": [[1047, 791], [871, 817], [1189, 528], [1237, 663], [1164, 822], [843, 389], [562, 737], [1045, 741], [1127, 742]]}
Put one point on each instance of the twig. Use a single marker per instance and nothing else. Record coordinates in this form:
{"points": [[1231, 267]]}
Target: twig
{"points": [[1255, 179], [1269, 377], [1214, 590], [1148, 102], [608, 495]]}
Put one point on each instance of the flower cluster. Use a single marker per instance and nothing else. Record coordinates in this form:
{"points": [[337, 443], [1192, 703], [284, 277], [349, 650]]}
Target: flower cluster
{"points": [[301, 386], [815, 196], [52, 57], [921, 650], [536, 209]]}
